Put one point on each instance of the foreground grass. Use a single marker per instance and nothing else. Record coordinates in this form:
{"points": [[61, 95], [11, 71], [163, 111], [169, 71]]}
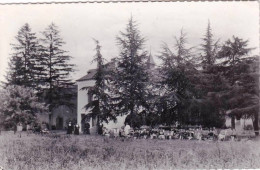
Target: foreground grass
{"points": [[96, 152]]}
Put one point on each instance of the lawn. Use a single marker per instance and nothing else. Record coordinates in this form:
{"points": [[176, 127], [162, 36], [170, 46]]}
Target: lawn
{"points": [[59, 151]]}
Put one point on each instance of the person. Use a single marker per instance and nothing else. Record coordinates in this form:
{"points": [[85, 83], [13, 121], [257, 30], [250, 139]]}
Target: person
{"points": [[215, 133], [116, 132], [199, 134], [15, 128], [87, 126], [19, 129], [106, 132], [153, 135], [161, 134], [127, 129], [70, 128], [222, 135], [28, 127], [121, 132], [100, 129], [76, 129], [233, 134]]}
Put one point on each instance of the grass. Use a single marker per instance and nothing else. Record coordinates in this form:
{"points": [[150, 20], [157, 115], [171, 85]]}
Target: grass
{"points": [[64, 152]]}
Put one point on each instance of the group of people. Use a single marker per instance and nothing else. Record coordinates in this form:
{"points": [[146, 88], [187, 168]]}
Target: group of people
{"points": [[173, 133], [73, 129], [158, 133]]}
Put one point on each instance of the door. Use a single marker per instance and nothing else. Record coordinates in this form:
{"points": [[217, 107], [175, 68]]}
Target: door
{"points": [[59, 123]]}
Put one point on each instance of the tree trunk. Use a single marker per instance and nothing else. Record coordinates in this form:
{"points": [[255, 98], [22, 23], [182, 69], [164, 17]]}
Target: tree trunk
{"points": [[255, 124], [98, 126], [233, 126]]}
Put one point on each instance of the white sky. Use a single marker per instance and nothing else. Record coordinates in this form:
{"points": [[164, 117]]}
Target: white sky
{"points": [[158, 22]]}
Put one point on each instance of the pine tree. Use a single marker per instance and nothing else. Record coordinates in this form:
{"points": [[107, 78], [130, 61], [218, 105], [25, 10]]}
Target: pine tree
{"points": [[15, 74], [209, 48], [23, 65], [242, 98], [211, 82], [233, 52], [177, 70], [211, 85], [180, 57], [56, 78], [131, 76], [100, 106]]}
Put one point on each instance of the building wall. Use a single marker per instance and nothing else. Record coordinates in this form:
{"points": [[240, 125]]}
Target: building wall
{"points": [[83, 100], [63, 112]]}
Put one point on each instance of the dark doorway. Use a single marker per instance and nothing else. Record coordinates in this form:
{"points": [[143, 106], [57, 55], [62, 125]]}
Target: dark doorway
{"points": [[59, 123], [82, 122]]}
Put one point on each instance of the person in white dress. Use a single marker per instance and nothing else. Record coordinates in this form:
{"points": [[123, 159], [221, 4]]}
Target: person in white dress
{"points": [[127, 129]]}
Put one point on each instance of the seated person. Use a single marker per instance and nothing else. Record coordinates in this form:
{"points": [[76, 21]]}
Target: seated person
{"points": [[153, 135], [161, 135]]}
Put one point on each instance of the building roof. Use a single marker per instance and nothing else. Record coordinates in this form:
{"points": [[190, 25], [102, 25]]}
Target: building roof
{"points": [[150, 62], [150, 59], [90, 75]]}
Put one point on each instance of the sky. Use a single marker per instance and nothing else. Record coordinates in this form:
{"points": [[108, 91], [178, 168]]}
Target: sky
{"points": [[158, 22]]}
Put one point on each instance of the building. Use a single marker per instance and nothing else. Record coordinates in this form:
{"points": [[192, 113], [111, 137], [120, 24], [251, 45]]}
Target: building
{"points": [[61, 115]]}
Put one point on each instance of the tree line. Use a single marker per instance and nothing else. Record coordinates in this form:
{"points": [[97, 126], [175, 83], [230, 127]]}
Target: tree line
{"points": [[195, 87], [41, 67], [198, 85]]}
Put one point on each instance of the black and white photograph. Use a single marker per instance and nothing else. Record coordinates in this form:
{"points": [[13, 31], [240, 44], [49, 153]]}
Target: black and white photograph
{"points": [[104, 85]]}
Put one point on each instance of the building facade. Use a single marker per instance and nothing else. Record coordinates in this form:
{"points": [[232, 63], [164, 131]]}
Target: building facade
{"points": [[61, 115]]}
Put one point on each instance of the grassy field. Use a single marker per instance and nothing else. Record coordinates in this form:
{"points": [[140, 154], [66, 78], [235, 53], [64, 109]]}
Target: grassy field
{"points": [[60, 152]]}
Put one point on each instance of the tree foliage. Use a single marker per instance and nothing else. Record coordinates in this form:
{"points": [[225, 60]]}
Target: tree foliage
{"points": [[57, 82], [41, 64], [131, 75], [24, 62], [233, 53], [209, 48], [100, 105], [176, 70], [20, 104], [233, 50]]}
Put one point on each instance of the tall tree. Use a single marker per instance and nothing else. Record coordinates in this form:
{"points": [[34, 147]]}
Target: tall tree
{"points": [[210, 82], [242, 98], [131, 75], [176, 71], [58, 84], [209, 48], [23, 65], [233, 52], [100, 105]]}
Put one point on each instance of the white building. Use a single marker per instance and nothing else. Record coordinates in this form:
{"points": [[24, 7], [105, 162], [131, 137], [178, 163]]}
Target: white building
{"points": [[84, 97]]}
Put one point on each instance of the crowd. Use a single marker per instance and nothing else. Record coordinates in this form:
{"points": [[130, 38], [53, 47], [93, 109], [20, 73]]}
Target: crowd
{"points": [[171, 133], [161, 132]]}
